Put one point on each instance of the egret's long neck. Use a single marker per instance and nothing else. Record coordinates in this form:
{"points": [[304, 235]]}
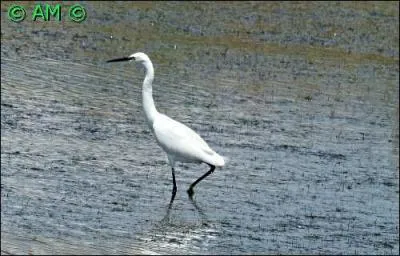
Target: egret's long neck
{"points": [[148, 103]]}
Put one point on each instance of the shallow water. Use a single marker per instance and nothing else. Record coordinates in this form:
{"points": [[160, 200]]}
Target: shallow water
{"points": [[311, 135]]}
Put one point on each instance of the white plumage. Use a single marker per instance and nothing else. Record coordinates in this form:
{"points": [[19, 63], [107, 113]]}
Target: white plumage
{"points": [[180, 142]]}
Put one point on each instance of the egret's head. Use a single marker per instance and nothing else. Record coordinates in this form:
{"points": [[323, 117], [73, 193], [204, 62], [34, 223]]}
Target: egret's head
{"points": [[138, 57]]}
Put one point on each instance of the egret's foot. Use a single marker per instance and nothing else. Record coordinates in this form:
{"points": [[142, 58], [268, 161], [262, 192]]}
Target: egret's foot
{"points": [[190, 192], [172, 200], [172, 196]]}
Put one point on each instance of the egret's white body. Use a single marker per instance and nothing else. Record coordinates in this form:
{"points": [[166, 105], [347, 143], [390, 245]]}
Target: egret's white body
{"points": [[180, 142]]}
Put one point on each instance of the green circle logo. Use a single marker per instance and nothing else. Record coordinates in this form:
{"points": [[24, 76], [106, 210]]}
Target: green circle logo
{"points": [[77, 13], [16, 13]]}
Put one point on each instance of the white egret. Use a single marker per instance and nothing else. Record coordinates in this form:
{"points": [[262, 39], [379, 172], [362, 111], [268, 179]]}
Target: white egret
{"points": [[180, 142]]}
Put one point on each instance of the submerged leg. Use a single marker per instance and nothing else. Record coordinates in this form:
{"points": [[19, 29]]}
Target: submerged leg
{"points": [[174, 188], [190, 190]]}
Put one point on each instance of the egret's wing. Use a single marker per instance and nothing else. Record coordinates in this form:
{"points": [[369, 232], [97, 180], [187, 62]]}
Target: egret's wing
{"points": [[179, 139]]}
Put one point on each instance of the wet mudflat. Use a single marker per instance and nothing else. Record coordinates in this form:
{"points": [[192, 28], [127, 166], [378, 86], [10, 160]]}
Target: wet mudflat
{"points": [[302, 98]]}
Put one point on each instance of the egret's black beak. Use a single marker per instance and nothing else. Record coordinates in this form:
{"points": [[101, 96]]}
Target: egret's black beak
{"points": [[121, 59]]}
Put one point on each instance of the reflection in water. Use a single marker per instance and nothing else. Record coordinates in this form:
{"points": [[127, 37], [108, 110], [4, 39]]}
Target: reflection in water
{"points": [[193, 201], [201, 212], [173, 232], [166, 220]]}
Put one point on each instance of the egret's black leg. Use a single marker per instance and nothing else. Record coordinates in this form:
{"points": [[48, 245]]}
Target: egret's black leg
{"points": [[174, 188], [190, 190]]}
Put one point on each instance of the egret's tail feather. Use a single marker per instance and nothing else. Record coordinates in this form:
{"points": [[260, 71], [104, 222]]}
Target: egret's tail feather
{"points": [[219, 160], [226, 160]]}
